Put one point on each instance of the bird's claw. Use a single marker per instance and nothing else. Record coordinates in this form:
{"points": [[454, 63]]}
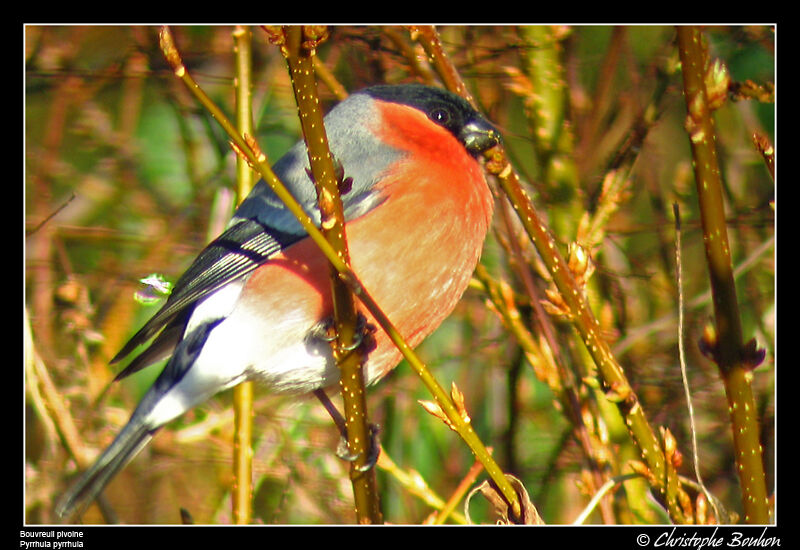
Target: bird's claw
{"points": [[326, 331], [343, 449]]}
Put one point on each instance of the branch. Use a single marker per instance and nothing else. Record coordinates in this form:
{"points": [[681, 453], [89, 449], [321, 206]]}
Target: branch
{"points": [[725, 345], [243, 393], [299, 50]]}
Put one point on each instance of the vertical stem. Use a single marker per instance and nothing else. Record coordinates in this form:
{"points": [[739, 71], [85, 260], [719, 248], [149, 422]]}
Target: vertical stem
{"points": [[543, 53], [242, 453], [243, 393], [349, 357], [728, 351]]}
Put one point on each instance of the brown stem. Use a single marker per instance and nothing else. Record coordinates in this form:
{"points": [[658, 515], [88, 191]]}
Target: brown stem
{"points": [[299, 52], [728, 345]]}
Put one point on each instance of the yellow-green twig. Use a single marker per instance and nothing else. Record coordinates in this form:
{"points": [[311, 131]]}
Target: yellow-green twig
{"points": [[241, 496], [299, 50], [728, 348]]}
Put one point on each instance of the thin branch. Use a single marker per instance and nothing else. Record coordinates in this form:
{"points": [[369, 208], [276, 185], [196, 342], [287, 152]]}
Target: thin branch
{"points": [[243, 393], [598, 496], [299, 50], [727, 346]]}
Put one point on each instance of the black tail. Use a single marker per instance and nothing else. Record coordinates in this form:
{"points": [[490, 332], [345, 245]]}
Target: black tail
{"points": [[140, 427], [127, 445]]}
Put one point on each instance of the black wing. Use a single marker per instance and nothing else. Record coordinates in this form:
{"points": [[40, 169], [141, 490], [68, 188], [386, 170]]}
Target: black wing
{"points": [[239, 250]]}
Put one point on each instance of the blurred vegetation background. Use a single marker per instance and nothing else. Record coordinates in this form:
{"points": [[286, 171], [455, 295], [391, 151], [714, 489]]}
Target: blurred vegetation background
{"points": [[126, 176]]}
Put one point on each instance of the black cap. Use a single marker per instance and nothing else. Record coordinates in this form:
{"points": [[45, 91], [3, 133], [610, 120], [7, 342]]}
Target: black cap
{"points": [[446, 109]]}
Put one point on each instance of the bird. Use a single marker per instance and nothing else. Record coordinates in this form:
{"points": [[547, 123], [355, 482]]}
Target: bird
{"points": [[255, 304]]}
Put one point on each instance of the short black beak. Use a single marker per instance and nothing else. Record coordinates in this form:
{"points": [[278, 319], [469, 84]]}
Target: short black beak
{"points": [[479, 135]]}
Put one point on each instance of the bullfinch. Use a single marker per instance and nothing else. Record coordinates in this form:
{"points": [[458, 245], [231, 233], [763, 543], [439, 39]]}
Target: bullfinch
{"points": [[255, 303]]}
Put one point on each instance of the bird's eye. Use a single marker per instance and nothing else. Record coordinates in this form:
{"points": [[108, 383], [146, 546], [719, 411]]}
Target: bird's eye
{"points": [[440, 116]]}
